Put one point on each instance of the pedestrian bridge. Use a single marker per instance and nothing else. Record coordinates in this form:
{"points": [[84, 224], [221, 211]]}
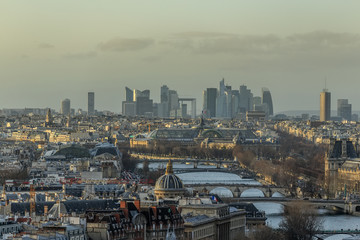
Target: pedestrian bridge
{"points": [[239, 190], [195, 162]]}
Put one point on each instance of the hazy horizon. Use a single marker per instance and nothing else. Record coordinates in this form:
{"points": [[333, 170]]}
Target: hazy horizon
{"points": [[52, 50]]}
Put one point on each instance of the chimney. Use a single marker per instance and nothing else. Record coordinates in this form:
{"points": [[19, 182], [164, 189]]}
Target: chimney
{"points": [[46, 210], [122, 204], [137, 204]]}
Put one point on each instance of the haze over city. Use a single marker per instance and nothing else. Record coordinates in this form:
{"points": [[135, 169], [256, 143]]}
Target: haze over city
{"points": [[56, 50]]}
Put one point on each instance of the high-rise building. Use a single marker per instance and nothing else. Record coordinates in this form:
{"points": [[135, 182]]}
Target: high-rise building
{"points": [[144, 105], [224, 101], [210, 95], [173, 100], [138, 93], [325, 105], [266, 99], [246, 99], [65, 107], [235, 94], [164, 100], [91, 103], [129, 95], [164, 91], [344, 109]]}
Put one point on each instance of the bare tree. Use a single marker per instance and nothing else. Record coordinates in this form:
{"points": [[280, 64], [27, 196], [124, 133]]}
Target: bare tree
{"points": [[300, 221], [265, 233]]}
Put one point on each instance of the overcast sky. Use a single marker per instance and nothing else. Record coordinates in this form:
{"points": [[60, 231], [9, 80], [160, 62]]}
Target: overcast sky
{"points": [[52, 50]]}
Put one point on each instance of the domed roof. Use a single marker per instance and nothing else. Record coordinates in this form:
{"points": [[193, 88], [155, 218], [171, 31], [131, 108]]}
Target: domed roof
{"points": [[169, 181]]}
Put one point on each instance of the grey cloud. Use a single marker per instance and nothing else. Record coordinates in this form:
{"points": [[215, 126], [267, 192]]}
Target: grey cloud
{"points": [[45, 45], [81, 55], [326, 38], [241, 44], [125, 44], [198, 34], [312, 42]]}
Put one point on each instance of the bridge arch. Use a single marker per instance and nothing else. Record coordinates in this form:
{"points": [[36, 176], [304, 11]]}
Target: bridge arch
{"points": [[222, 192], [252, 192], [357, 208], [277, 195]]}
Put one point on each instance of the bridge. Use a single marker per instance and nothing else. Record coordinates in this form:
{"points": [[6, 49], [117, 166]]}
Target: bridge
{"points": [[217, 162], [341, 206], [238, 189], [324, 234]]}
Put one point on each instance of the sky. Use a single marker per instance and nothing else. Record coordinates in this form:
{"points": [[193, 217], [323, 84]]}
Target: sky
{"points": [[52, 50]]}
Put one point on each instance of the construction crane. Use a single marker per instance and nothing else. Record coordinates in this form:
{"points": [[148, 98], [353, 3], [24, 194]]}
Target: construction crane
{"points": [[32, 199]]}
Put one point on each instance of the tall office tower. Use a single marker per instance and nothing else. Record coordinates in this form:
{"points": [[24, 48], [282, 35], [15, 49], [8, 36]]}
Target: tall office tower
{"points": [[138, 93], [204, 109], [344, 109], [210, 95], [235, 94], [173, 101], [65, 107], [246, 99], [325, 105], [91, 103], [266, 99], [144, 106], [257, 101], [222, 101], [143, 103], [164, 91], [129, 95], [164, 102]]}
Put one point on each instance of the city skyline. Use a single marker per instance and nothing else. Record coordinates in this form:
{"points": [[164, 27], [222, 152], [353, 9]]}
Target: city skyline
{"points": [[287, 47], [199, 109]]}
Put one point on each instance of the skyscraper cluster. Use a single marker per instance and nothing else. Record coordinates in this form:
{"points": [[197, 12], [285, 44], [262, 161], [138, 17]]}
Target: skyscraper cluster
{"points": [[138, 103], [226, 102]]}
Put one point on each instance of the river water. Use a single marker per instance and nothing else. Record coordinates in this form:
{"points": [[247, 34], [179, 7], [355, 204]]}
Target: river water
{"points": [[330, 220]]}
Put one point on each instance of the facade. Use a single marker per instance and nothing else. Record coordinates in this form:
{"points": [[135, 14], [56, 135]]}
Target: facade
{"points": [[129, 95], [344, 109], [91, 103], [129, 108], [133, 221], [210, 99], [246, 99], [213, 221], [267, 100], [65, 107], [9, 227], [342, 174], [325, 105]]}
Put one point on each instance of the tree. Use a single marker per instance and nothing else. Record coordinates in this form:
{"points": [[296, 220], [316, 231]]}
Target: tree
{"points": [[146, 167], [265, 233], [300, 221]]}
